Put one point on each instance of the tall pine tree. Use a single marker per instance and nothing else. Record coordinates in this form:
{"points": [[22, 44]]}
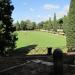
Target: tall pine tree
{"points": [[70, 34], [7, 36], [55, 23], [50, 24]]}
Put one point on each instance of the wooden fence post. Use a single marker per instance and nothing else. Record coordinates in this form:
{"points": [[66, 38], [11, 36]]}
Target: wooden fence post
{"points": [[58, 62], [49, 51]]}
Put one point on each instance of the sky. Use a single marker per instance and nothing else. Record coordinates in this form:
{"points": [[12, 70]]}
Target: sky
{"points": [[39, 10]]}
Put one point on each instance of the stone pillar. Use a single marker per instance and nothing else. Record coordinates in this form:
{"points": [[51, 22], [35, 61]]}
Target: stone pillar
{"points": [[58, 62]]}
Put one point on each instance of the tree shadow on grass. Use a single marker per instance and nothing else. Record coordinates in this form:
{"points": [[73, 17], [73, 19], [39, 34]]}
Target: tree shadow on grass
{"points": [[23, 50]]}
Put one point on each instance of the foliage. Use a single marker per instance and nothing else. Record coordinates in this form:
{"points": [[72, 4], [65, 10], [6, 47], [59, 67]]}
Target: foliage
{"points": [[34, 25], [17, 26], [65, 24], [40, 25], [55, 23], [7, 37], [25, 25], [50, 25], [70, 34], [46, 25], [60, 23]]}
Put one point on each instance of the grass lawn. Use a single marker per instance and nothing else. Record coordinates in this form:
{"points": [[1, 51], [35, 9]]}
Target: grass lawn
{"points": [[41, 39]]}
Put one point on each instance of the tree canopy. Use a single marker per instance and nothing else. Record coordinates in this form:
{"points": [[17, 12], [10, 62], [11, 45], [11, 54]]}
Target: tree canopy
{"points": [[70, 33], [7, 36]]}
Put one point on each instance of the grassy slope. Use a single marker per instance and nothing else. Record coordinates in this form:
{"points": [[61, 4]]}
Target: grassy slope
{"points": [[41, 39]]}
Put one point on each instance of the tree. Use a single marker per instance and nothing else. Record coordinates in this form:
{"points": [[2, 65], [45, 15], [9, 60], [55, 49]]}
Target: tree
{"points": [[65, 24], [29, 25], [55, 23], [40, 25], [7, 36], [60, 23], [25, 25], [70, 34], [22, 25], [50, 24], [46, 25], [34, 25], [17, 24]]}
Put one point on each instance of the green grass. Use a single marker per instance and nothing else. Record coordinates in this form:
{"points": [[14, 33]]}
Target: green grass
{"points": [[41, 39]]}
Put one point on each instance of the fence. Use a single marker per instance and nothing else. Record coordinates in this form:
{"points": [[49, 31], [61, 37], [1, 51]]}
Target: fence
{"points": [[31, 50], [63, 64], [38, 50]]}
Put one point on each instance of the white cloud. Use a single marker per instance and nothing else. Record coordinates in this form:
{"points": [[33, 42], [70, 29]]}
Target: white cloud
{"points": [[50, 6], [31, 9], [62, 10]]}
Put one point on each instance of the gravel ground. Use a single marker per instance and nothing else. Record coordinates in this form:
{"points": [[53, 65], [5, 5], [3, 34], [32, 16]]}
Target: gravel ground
{"points": [[32, 67]]}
